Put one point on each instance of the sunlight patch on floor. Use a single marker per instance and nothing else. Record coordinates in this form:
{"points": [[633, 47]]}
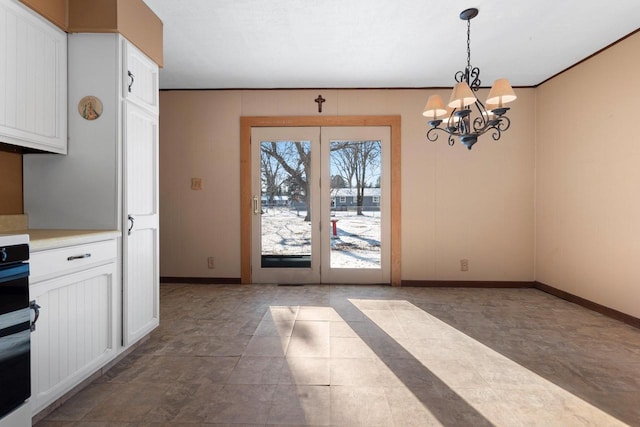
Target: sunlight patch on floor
{"points": [[472, 370]]}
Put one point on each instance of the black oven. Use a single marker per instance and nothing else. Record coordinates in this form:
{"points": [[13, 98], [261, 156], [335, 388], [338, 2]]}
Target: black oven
{"points": [[15, 323]]}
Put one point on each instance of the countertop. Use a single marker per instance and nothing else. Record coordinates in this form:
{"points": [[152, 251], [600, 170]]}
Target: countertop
{"points": [[43, 239]]}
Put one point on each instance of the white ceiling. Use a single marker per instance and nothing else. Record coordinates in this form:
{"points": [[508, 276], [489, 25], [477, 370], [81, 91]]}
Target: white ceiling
{"points": [[215, 44]]}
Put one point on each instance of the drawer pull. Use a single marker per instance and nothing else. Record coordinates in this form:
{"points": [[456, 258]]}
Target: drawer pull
{"points": [[74, 257]]}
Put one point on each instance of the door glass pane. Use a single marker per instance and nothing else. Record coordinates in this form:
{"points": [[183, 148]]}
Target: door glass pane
{"points": [[355, 223], [285, 168]]}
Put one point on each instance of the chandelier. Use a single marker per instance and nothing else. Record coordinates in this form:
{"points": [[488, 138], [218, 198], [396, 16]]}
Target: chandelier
{"points": [[466, 117]]}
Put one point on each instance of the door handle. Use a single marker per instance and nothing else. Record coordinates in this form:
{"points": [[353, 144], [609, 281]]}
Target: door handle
{"points": [[256, 207], [36, 308], [131, 223], [132, 77]]}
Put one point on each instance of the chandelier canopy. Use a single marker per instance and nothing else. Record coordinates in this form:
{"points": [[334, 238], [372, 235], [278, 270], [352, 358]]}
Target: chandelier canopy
{"points": [[465, 116]]}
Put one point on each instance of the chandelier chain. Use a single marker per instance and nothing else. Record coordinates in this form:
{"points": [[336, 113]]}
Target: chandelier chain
{"points": [[468, 43]]}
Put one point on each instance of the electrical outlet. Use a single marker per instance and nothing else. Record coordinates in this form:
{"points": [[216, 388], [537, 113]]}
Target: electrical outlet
{"points": [[211, 262], [464, 265], [196, 183]]}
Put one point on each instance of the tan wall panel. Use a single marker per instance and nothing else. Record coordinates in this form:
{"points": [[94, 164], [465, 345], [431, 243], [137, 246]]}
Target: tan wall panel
{"points": [[54, 10], [200, 138], [10, 183], [456, 203], [588, 180]]}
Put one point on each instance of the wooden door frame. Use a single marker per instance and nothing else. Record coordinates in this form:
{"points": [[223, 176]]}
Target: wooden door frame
{"points": [[247, 123]]}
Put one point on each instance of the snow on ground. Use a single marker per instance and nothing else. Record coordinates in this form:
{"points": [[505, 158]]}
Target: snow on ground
{"points": [[357, 244]]}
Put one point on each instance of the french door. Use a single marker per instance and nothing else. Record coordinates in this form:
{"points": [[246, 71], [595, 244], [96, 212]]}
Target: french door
{"points": [[320, 204]]}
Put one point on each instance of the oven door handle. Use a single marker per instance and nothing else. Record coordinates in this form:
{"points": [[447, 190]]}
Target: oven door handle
{"points": [[36, 308]]}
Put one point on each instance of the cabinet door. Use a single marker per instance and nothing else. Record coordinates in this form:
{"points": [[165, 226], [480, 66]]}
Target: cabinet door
{"points": [[76, 333], [140, 242], [33, 80], [140, 78]]}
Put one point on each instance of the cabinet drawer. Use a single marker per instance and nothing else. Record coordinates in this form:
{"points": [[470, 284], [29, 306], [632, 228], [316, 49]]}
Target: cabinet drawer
{"points": [[55, 262]]}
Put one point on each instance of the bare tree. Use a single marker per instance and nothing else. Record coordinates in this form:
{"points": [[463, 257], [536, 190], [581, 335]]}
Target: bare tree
{"points": [[295, 159], [355, 160], [272, 177], [338, 181]]}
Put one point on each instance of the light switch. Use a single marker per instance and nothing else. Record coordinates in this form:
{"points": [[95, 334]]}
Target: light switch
{"points": [[196, 183]]}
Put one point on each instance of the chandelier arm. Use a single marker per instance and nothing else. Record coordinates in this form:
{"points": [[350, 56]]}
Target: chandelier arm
{"points": [[504, 124], [432, 135], [481, 106], [497, 133], [480, 125], [481, 122], [452, 126], [474, 78], [451, 141], [462, 127]]}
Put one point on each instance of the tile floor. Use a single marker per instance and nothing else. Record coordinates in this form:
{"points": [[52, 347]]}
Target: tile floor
{"points": [[368, 356]]}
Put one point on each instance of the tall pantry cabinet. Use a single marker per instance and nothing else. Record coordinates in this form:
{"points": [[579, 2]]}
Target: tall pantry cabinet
{"points": [[109, 178]]}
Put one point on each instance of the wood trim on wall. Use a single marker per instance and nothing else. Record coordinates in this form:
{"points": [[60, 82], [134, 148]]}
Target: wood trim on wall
{"points": [[590, 305], [606, 311], [202, 280], [466, 284], [246, 123]]}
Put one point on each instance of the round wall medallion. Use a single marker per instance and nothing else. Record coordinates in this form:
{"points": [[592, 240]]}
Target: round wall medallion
{"points": [[90, 108]]}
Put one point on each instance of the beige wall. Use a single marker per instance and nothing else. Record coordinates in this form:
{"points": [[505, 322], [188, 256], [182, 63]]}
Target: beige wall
{"points": [[456, 204], [588, 179]]}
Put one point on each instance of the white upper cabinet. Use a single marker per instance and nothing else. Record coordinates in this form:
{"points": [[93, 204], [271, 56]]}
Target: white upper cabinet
{"points": [[33, 80], [140, 83]]}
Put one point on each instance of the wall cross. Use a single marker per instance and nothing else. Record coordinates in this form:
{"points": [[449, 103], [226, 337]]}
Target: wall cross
{"points": [[320, 100]]}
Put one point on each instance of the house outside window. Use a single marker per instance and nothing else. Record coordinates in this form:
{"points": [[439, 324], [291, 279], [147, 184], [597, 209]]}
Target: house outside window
{"points": [[375, 199], [343, 199]]}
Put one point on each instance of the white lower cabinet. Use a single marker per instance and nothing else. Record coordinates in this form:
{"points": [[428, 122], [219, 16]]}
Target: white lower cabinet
{"points": [[76, 332]]}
